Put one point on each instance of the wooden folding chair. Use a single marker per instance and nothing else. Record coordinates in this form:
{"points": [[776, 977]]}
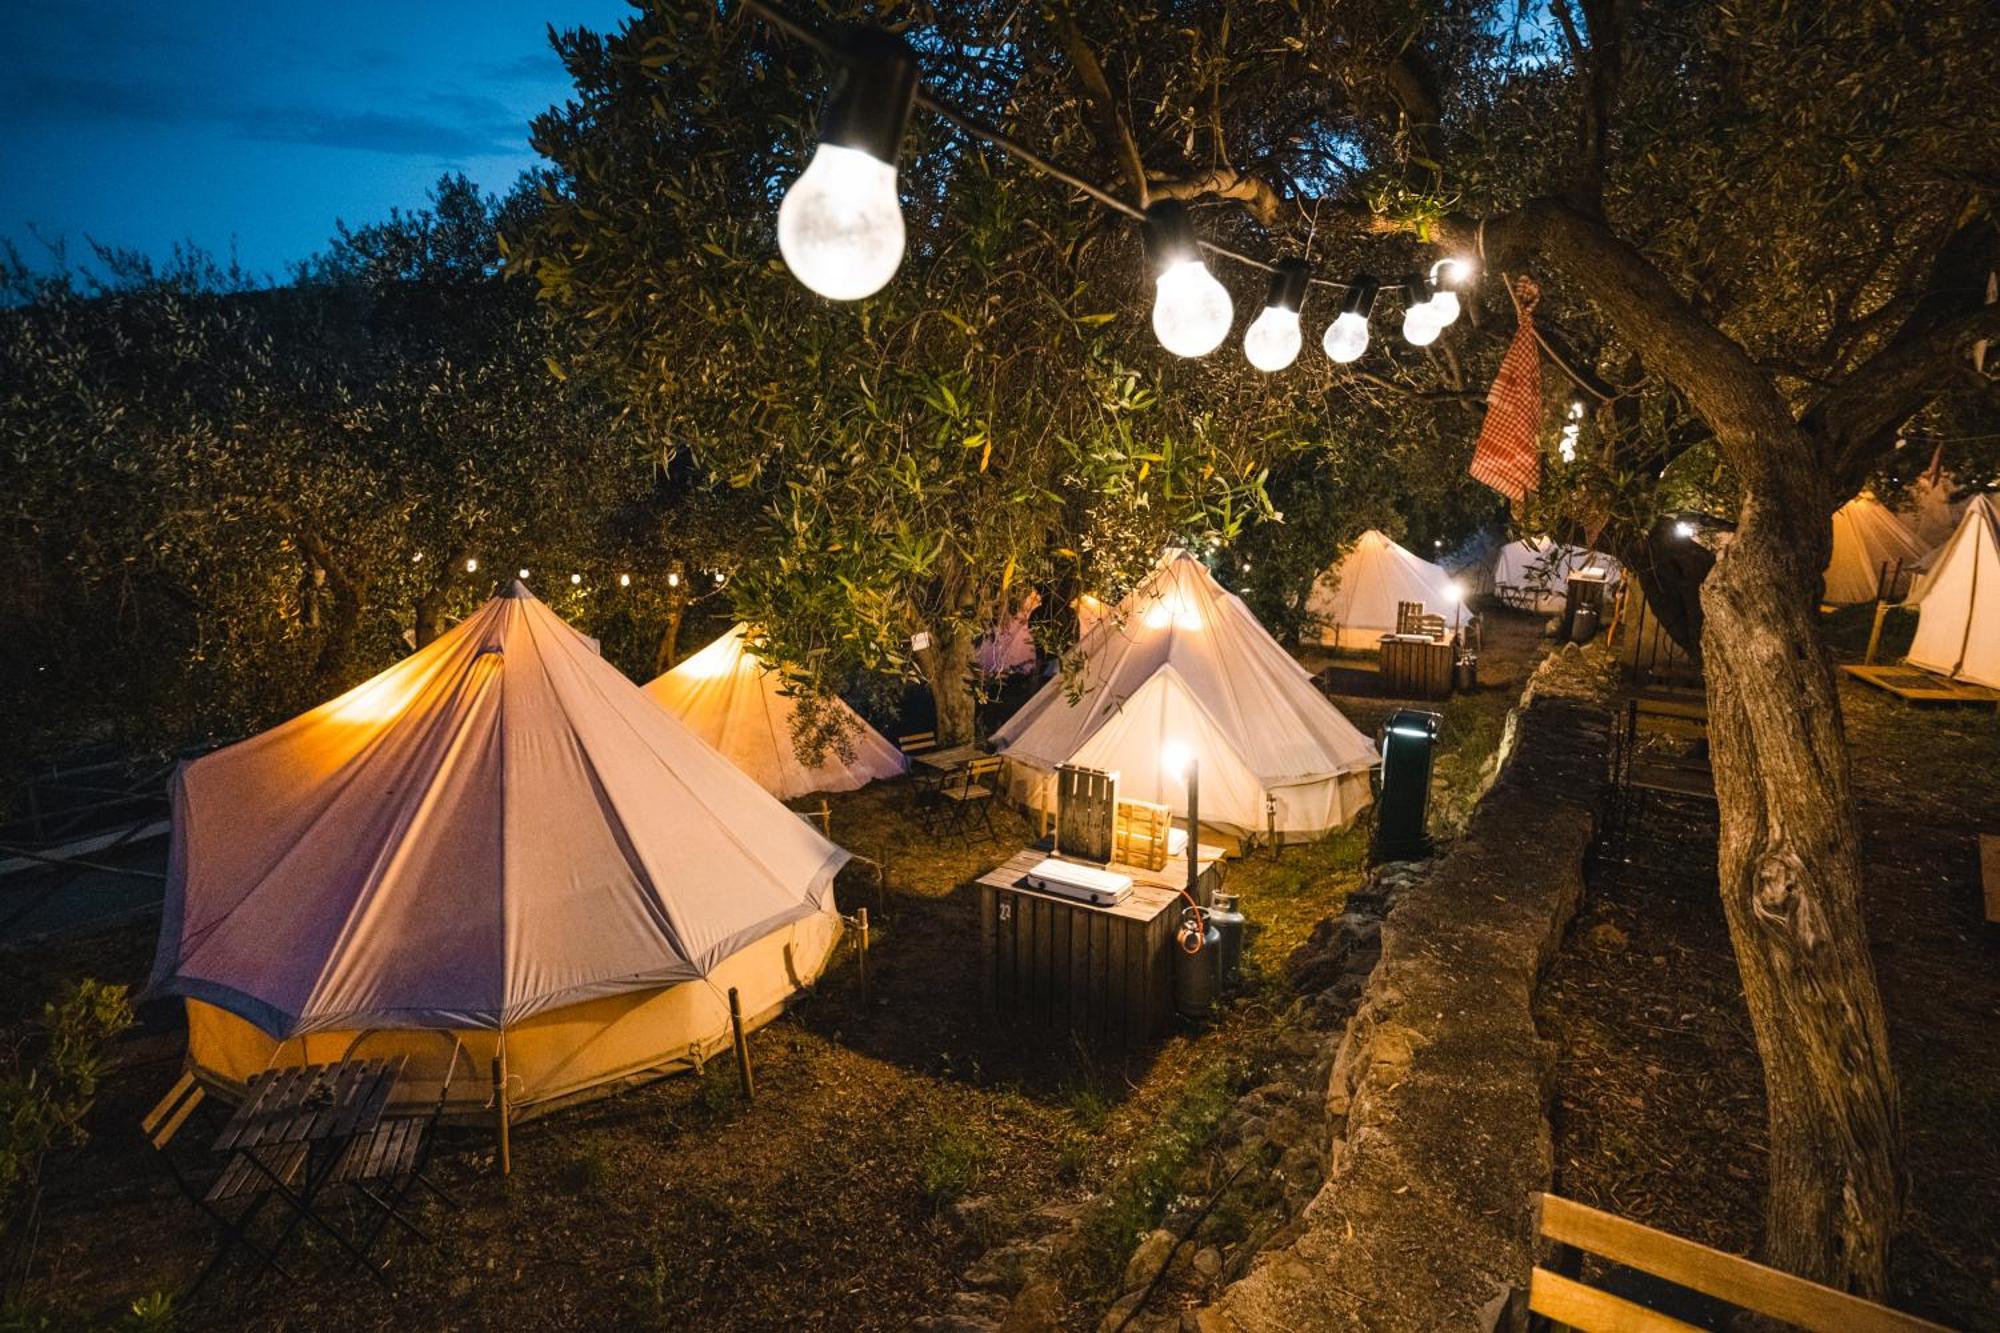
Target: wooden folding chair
{"points": [[386, 1166], [972, 791], [917, 742], [213, 1192]]}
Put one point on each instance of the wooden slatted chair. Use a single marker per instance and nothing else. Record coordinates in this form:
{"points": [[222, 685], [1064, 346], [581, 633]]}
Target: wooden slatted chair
{"points": [[971, 792], [216, 1193], [387, 1166], [917, 742], [1684, 1263]]}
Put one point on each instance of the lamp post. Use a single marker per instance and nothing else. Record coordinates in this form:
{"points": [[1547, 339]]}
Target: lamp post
{"points": [[1457, 590], [1179, 757]]}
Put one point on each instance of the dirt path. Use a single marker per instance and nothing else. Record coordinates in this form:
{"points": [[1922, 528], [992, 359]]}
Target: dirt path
{"points": [[1660, 1111]]}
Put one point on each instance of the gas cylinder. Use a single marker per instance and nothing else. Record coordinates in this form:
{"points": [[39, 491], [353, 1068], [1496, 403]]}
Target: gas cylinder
{"points": [[1228, 921], [1195, 968]]}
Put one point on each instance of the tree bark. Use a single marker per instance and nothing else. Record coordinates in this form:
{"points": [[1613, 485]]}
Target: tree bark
{"points": [[947, 668], [668, 654]]}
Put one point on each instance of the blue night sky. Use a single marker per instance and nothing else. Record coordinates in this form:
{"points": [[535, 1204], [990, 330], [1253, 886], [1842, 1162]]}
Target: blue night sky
{"points": [[257, 125]]}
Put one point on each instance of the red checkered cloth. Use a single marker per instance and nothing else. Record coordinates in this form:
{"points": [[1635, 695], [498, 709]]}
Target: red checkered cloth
{"points": [[1508, 456]]}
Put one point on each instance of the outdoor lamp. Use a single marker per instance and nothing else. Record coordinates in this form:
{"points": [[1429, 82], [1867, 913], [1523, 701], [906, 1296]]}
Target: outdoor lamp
{"points": [[624, 580], [1445, 274], [1178, 757], [576, 578], [840, 225], [1273, 339], [521, 573], [673, 580], [1347, 337], [1420, 326], [471, 566], [1191, 310]]}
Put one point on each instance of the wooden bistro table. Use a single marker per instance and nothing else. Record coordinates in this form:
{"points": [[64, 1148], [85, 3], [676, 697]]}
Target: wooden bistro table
{"points": [[948, 760], [289, 1132], [1104, 973]]}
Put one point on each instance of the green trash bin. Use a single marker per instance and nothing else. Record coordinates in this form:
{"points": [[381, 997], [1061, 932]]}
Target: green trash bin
{"points": [[1403, 810]]}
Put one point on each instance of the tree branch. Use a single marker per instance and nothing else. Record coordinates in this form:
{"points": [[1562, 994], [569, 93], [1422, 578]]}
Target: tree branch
{"points": [[1253, 192], [1112, 131]]}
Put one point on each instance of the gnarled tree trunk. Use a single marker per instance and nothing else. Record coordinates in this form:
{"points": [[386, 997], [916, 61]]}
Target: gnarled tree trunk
{"points": [[947, 667], [1790, 872]]}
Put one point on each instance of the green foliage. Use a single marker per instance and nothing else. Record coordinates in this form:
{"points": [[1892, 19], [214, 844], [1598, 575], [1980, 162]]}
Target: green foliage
{"points": [[152, 1313], [49, 1082]]}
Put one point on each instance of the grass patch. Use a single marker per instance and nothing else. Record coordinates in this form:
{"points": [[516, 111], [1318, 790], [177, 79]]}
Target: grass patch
{"points": [[1127, 1209], [950, 1162]]}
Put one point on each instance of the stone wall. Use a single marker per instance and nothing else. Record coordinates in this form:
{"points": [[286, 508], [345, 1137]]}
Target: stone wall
{"points": [[1435, 1106]]}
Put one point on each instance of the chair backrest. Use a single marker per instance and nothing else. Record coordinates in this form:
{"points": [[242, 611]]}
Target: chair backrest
{"points": [[1685, 1263], [399, 1041], [165, 1119], [917, 742], [1086, 813], [983, 767], [1141, 833]]}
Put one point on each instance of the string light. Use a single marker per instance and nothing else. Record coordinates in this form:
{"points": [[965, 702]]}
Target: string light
{"points": [[673, 580], [471, 565], [417, 559], [624, 580], [1191, 310], [719, 577], [1347, 337], [1566, 446], [840, 225], [575, 579], [1272, 341], [522, 573]]}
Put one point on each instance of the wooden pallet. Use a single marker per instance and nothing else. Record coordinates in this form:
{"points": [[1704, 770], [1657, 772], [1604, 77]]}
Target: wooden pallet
{"points": [[1923, 687]]}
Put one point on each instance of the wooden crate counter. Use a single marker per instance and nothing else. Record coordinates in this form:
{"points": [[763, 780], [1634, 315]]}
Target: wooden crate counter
{"points": [[1417, 668], [1104, 973]]}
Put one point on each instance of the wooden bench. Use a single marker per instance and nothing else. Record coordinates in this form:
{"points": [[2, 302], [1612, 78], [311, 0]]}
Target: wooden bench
{"points": [[1685, 1263]]}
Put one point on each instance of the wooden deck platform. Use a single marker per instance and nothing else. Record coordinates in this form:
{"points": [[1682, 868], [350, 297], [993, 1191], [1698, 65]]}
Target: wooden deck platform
{"points": [[1923, 687]]}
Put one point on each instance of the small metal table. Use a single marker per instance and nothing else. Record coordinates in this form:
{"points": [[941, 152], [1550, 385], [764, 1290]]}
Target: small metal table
{"points": [[949, 759]]}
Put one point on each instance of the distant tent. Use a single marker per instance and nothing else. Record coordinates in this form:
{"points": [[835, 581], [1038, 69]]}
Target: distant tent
{"points": [[1089, 610], [1539, 570], [1184, 660], [498, 840], [730, 699], [1929, 511], [1958, 601], [1355, 600], [1010, 646], [1867, 540]]}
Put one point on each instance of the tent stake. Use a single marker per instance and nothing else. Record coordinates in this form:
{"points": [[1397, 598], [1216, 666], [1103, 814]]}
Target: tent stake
{"points": [[861, 930], [742, 1046], [1875, 633], [504, 1157]]}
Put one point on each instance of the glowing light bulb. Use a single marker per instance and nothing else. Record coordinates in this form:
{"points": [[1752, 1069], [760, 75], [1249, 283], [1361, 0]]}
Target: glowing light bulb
{"points": [[1346, 338], [576, 578], [1273, 339], [624, 580], [673, 580], [840, 226], [521, 573], [1191, 310], [1444, 307], [719, 577], [1418, 328], [1683, 529], [1177, 757], [1445, 275], [472, 566], [1455, 590]]}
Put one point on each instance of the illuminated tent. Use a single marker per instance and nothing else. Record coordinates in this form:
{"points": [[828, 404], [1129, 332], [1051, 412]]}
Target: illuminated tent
{"points": [[736, 703], [1355, 600], [498, 839], [1541, 569], [1184, 660], [1958, 601], [1867, 538]]}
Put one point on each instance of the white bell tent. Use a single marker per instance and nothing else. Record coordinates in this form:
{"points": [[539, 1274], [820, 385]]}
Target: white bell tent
{"points": [[1182, 660], [1537, 569], [1958, 601], [728, 697], [1355, 600], [1009, 646], [1868, 541], [498, 842]]}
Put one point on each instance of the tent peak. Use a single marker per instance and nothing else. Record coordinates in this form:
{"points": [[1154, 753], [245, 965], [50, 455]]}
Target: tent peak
{"points": [[514, 588]]}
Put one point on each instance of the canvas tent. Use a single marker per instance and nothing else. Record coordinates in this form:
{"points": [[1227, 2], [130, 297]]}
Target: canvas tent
{"points": [[1355, 600], [1539, 570], [1929, 511], [1184, 660], [1010, 646], [501, 840], [736, 703], [1958, 601], [1867, 541]]}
